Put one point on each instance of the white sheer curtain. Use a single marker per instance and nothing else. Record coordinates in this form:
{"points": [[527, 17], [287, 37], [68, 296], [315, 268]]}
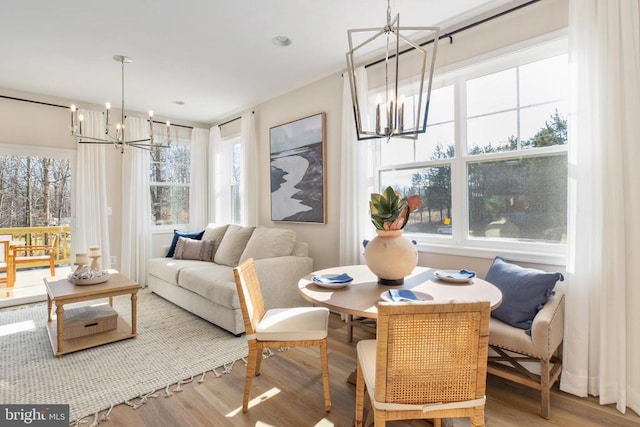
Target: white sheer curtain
{"points": [[91, 211], [136, 204], [248, 180], [219, 172], [199, 183], [357, 182], [602, 343]]}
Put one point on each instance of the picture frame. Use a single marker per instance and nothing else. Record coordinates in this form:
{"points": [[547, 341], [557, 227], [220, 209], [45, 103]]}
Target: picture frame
{"points": [[297, 152]]}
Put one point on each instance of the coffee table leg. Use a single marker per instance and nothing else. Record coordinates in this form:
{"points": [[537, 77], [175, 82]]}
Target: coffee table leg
{"points": [[134, 300], [60, 320], [49, 307]]}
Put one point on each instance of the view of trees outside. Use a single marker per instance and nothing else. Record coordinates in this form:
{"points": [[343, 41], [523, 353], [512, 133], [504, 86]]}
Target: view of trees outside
{"points": [[169, 184], [34, 191], [523, 197], [511, 130]]}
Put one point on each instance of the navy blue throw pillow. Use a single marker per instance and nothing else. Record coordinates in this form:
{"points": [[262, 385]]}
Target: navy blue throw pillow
{"points": [[524, 292], [197, 235]]}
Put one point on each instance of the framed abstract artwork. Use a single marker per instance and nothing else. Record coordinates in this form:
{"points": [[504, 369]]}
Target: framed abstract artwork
{"points": [[298, 170]]}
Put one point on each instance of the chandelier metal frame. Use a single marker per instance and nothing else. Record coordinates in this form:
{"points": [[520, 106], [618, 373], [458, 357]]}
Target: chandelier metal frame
{"points": [[394, 106], [118, 140]]}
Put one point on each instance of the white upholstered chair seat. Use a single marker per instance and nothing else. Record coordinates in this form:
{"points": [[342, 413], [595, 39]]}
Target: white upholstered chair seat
{"points": [[293, 324]]}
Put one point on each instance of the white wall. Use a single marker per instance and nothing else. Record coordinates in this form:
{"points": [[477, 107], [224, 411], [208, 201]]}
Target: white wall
{"points": [[322, 96]]}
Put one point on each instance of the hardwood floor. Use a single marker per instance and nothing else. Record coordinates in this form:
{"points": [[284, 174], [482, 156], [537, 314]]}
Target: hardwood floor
{"points": [[289, 393]]}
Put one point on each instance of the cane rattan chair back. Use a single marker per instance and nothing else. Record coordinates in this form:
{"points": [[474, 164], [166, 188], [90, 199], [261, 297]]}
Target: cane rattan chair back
{"points": [[278, 327], [429, 360], [250, 296]]}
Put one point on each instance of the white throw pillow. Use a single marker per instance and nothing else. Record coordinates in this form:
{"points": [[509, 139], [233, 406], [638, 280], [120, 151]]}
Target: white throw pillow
{"points": [[232, 245], [269, 243]]}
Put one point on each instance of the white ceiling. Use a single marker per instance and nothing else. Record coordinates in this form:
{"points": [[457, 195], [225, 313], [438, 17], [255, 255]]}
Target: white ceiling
{"points": [[214, 55]]}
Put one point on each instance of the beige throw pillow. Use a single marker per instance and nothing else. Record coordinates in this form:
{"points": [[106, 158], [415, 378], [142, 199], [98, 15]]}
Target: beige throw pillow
{"points": [[232, 245], [214, 232], [269, 243], [201, 250]]}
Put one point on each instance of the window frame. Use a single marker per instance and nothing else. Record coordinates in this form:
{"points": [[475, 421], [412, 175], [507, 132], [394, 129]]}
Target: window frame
{"points": [[459, 242], [162, 228]]}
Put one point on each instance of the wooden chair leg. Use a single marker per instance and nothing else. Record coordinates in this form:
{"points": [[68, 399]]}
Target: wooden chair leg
{"points": [[259, 357], [545, 401], [379, 418], [52, 266], [252, 357], [360, 390], [325, 374], [477, 419]]}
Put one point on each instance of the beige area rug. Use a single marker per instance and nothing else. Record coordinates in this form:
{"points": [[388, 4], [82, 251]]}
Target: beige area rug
{"points": [[172, 345]]}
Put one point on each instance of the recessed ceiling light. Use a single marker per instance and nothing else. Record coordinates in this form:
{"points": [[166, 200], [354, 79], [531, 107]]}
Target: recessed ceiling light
{"points": [[281, 41], [178, 102]]}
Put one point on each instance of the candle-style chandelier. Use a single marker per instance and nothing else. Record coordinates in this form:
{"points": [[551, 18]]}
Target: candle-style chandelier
{"points": [[117, 139], [390, 99]]}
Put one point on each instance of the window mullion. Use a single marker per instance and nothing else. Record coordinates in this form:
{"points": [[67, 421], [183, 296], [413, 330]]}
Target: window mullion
{"points": [[458, 175]]}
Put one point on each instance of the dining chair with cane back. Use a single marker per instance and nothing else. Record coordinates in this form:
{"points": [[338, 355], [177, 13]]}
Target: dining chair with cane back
{"points": [[428, 361], [277, 327]]}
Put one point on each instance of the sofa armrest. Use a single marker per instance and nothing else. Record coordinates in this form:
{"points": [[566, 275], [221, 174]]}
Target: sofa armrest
{"points": [[547, 330], [279, 280]]}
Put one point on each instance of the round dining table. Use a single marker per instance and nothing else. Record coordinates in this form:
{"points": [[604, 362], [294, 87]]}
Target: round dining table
{"points": [[359, 298]]}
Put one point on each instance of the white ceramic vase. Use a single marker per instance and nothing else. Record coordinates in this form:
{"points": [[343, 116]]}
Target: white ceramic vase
{"points": [[391, 257]]}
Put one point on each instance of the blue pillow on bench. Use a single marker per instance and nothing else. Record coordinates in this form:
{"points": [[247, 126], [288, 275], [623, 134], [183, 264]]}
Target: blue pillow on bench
{"points": [[524, 292], [197, 235]]}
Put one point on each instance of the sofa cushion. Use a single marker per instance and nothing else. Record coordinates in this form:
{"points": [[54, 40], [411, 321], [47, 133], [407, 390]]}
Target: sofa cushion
{"points": [[215, 232], [269, 243], [194, 249], [524, 292], [177, 234], [232, 245], [168, 269], [213, 282]]}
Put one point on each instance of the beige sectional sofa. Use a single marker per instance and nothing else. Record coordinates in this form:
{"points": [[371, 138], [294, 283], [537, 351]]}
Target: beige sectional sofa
{"points": [[199, 276]]}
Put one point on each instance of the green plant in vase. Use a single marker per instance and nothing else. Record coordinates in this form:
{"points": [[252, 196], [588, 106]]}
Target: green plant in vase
{"points": [[390, 211]]}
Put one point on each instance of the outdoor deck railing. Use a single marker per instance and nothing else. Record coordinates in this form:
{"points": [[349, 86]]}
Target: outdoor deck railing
{"points": [[40, 236]]}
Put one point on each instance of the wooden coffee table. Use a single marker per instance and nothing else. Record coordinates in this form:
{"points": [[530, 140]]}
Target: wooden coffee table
{"points": [[62, 291]]}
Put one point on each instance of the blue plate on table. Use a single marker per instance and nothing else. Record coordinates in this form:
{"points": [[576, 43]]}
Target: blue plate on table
{"points": [[332, 281], [404, 295], [455, 276]]}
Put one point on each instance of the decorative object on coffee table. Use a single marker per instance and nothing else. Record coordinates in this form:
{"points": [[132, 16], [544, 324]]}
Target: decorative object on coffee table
{"points": [[85, 274], [390, 255]]}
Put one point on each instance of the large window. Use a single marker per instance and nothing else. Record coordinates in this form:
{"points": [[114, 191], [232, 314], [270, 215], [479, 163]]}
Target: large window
{"points": [[170, 179], [492, 166]]}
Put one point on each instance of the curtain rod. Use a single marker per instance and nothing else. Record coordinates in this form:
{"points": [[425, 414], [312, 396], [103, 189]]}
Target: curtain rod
{"points": [[233, 120], [450, 34], [66, 107]]}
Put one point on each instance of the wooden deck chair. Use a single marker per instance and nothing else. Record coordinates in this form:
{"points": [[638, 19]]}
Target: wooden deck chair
{"points": [[34, 254]]}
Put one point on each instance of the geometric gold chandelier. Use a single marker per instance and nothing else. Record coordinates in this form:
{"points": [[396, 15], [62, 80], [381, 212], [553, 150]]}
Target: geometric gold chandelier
{"points": [[390, 98], [117, 139]]}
